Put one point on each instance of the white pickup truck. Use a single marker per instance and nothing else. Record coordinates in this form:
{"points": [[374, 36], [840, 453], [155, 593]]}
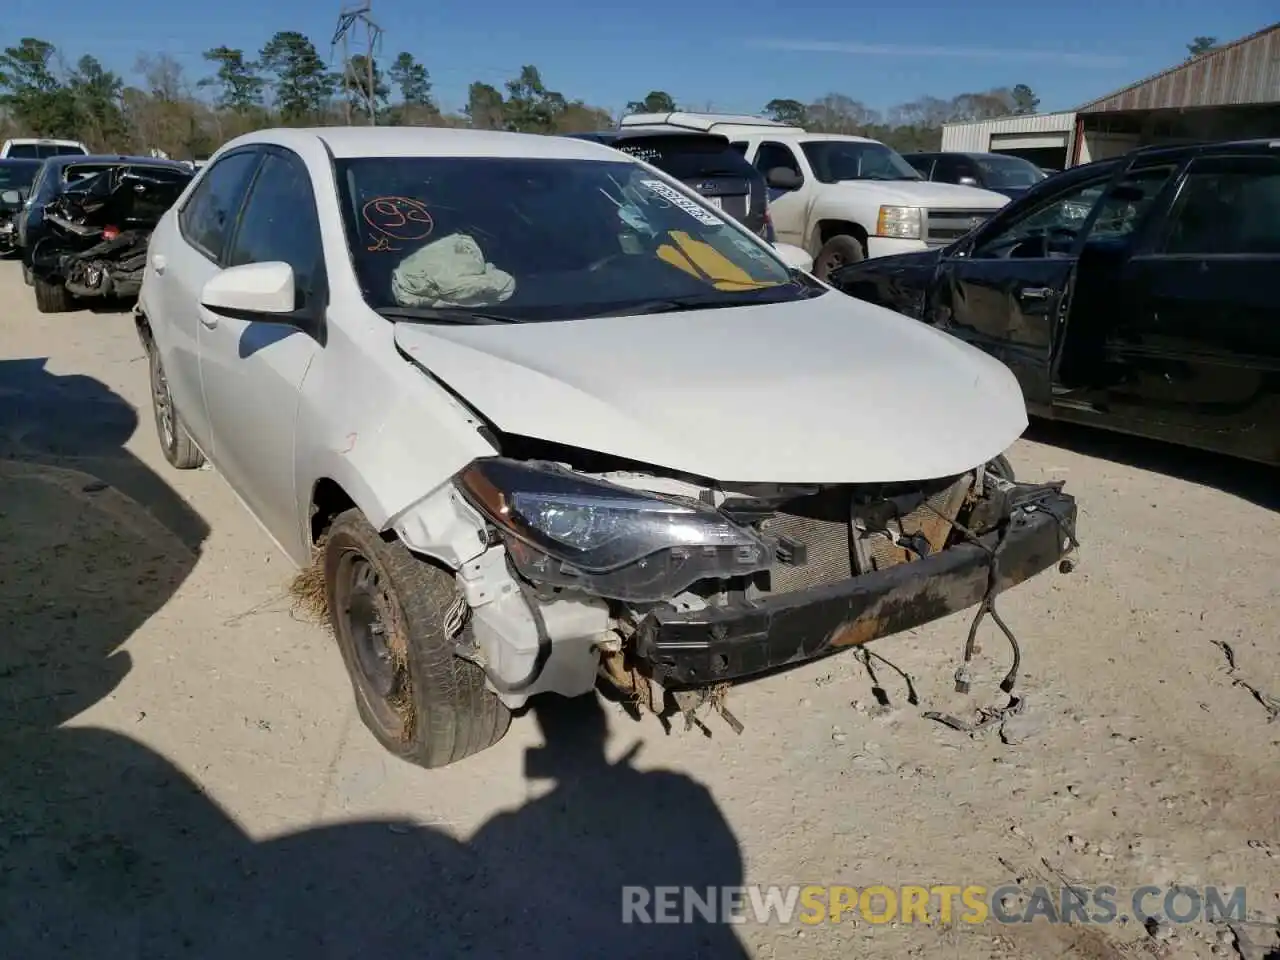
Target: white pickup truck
{"points": [[840, 198], [40, 148]]}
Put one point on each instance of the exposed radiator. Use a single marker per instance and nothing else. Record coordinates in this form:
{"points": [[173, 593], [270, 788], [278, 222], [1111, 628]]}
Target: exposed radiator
{"points": [[835, 543]]}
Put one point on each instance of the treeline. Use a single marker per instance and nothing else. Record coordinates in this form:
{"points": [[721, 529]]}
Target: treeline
{"points": [[287, 82]]}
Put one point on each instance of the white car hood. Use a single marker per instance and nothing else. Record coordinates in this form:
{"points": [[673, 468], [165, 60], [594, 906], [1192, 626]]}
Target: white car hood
{"points": [[925, 193], [827, 390]]}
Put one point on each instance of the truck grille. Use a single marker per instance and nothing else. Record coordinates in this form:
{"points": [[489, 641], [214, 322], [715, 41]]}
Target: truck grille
{"points": [[943, 226], [833, 547]]}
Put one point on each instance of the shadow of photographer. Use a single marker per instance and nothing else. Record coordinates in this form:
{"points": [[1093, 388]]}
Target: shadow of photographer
{"points": [[108, 849]]}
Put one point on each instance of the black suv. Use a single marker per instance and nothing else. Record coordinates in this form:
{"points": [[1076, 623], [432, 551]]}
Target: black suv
{"points": [[999, 172], [706, 163], [1137, 293]]}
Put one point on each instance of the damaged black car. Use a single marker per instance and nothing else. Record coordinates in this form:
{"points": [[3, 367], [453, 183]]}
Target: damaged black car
{"points": [[85, 234]]}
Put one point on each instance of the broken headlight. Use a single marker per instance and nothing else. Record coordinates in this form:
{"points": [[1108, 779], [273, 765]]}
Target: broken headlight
{"points": [[568, 530]]}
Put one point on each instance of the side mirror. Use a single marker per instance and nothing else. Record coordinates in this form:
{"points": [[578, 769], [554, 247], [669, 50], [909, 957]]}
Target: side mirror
{"points": [[967, 182], [253, 291], [782, 178], [11, 198]]}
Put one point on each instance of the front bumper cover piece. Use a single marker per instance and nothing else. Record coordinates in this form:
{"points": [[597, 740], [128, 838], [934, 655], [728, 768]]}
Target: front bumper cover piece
{"points": [[687, 649]]}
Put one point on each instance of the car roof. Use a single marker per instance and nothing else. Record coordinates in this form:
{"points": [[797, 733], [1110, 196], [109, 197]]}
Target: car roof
{"points": [[1254, 145], [24, 141], [355, 142], [642, 133]]}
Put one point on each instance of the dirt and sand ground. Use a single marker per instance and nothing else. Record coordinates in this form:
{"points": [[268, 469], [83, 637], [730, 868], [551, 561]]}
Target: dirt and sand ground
{"points": [[182, 772]]}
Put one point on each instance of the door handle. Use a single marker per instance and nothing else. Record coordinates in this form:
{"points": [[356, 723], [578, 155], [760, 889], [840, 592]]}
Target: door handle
{"points": [[208, 318], [1036, 293], [158, 263]]}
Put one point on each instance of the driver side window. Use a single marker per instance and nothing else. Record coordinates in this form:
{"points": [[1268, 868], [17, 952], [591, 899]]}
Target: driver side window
{"points": [[1052, 229], [1060, 216]]}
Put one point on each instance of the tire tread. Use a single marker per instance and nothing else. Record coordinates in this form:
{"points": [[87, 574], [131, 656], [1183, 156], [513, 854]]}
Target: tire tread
{"points": [[454, 714]]}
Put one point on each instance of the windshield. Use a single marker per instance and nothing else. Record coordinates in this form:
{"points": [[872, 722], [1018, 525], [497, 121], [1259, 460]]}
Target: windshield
{"points": [[1009, 172], [544, 239], [17, 176], [836, 160]]}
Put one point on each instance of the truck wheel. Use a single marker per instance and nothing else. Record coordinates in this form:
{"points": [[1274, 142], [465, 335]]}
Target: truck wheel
{"points": [[835, 253], [174, 439], [51, 297], [387, 608], [26, 275]]}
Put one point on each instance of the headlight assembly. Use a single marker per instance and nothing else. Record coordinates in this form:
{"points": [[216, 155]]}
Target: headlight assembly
{"points": [[901, 223], [568, 530]]}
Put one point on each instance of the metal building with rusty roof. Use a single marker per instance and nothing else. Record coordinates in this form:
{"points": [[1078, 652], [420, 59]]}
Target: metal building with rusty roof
{"points": [[1233, 91]]}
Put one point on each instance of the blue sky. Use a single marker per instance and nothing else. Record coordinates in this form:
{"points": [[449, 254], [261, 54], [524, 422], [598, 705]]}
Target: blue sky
{"points": [[733, 56]]}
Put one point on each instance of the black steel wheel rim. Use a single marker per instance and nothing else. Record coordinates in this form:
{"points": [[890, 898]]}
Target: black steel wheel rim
{"points": [[164, 403], [365, 606]]}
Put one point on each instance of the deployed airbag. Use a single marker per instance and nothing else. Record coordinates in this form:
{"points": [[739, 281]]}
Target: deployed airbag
{"points": [[451, 272]]}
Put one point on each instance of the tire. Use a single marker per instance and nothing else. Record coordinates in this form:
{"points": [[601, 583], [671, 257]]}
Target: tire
{"points": [[26, 275], [174, 439], [51, 297], [837, 252], [420, 700], [1002, 468]]}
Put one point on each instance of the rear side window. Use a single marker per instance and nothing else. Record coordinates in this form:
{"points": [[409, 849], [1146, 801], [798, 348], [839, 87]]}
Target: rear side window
{"points": [[67, 151], [25, 151], [688, 158], [1227, 206], [74, 172], [771, 155], [207, 218]]}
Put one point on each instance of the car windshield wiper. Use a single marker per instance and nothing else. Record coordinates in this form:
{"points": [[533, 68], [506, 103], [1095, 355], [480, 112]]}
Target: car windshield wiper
{"points": [[670, 305], [677, 304], [459, 315]]}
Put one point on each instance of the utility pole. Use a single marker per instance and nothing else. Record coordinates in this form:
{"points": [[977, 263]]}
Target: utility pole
{"points": [[356, 27]]}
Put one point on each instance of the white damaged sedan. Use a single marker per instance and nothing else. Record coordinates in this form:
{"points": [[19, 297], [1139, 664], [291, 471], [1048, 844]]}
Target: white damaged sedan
{"points": [[542, 417]]}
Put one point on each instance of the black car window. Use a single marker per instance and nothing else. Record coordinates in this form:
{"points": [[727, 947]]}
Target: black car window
{"points": [[1057, 218], [208, 215], [771, 155], [923, 163], [1227, 206], [279, 221], [948, 169], [1127, 203], [75, 172], [1052, 227], [24, 151], [1007, 172], [17, 176], [688, 157]]}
